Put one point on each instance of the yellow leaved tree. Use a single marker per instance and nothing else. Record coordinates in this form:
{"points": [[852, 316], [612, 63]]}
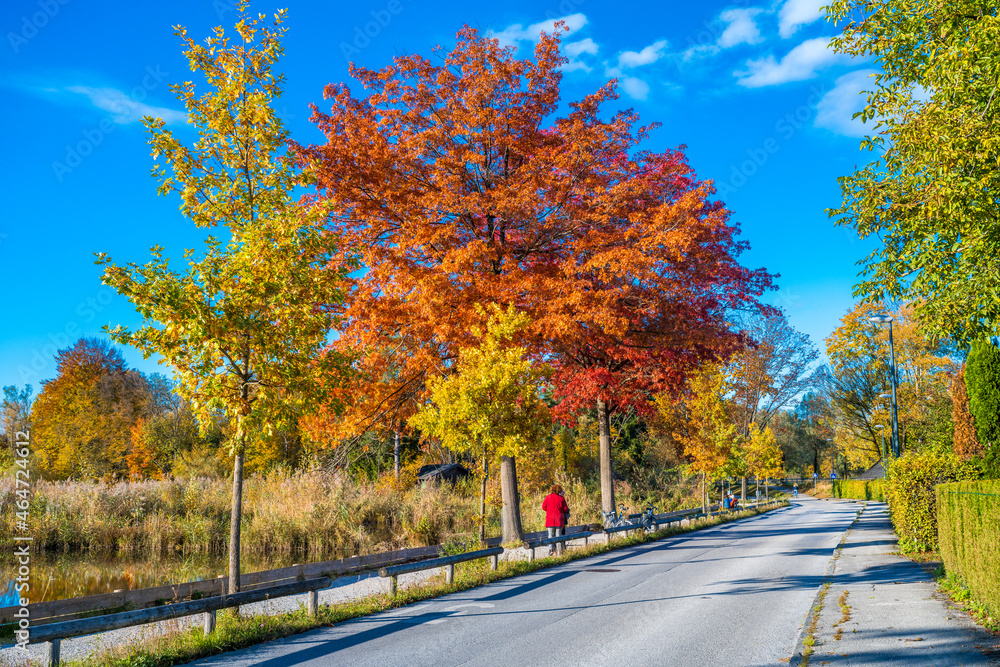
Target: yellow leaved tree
{"points": [[490, 406], [244, 326]]}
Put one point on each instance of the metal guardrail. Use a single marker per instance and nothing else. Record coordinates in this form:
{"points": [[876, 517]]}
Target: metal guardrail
{"points": [[558, 540], [53, 633], [448, 562]]}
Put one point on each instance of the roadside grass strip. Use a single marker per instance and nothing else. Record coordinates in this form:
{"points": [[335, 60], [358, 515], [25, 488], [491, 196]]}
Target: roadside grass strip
{"points": [[234, 632], [960, 594]]}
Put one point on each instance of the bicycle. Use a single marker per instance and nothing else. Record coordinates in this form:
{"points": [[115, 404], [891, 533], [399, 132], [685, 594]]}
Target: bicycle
{"points": [[647, 519], [614, 519]]}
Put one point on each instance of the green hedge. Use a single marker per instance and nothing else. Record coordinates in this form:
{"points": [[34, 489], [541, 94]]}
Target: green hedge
{"points": [[969, 537], [909, 490], [858, 489]]}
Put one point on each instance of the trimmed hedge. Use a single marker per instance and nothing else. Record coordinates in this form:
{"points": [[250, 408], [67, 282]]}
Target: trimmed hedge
{"points": [[909, 490], [858, 489], [969, 537]]}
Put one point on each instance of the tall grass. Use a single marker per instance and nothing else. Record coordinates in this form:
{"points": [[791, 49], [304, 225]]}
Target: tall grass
{"points": [[314, 513]]}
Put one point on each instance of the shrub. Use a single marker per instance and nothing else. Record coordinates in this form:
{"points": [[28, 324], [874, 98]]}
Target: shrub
{"points": [[858, 489], [968, 534], [982, 380], [909, 490]]}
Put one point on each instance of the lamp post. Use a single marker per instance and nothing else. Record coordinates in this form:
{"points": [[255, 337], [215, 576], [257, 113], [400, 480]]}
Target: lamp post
{"points": [[881, 429], [882, 319]]}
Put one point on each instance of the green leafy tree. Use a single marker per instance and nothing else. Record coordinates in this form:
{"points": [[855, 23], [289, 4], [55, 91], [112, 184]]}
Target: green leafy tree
{"points": [[982, 381], [491, 405], [931, 193], [240, 325]]}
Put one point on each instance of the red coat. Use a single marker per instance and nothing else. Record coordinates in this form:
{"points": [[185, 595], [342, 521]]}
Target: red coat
{"points": [[555, 511]]}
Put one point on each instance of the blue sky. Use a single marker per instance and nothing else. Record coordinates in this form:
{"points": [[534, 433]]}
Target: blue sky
{"points": [[762, 105]]}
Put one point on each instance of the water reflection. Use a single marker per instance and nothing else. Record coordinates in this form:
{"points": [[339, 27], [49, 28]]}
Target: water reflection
{"points": [[57, 577]]}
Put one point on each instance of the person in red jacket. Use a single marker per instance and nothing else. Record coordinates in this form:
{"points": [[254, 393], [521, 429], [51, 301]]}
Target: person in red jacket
{"points": [[556, 513]]}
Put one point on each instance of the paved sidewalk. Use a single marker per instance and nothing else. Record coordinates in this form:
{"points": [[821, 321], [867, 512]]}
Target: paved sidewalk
{"points": [[896, 614]]}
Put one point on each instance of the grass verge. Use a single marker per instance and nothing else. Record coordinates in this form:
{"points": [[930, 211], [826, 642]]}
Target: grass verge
{"points": [[234, 632], [960, 594]]}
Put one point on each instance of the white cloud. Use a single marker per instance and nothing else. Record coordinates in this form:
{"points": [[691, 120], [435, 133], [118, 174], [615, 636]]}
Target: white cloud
{"points": [[513, 34], [126, 109], [574, 50], [648, 55], [799, 64], [635, 88], [742, 28], [836, 109], [796, 13]]}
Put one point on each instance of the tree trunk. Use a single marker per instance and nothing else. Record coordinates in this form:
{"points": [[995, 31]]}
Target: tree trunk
{"points": [[236, 517], [743, 491], [607, 474], [511, 513], [482, 501], [395, 456]]}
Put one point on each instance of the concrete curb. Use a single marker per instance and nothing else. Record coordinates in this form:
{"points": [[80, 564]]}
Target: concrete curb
{"points": [[814, 606]]}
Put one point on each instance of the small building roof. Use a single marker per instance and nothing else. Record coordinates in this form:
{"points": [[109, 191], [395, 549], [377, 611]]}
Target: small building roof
{"points": [[877, 471]]}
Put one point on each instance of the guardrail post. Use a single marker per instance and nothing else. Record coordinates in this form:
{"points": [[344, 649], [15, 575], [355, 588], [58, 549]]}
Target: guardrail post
{"points": [[209, 622], [449, 574], [312, 603], [559, 548], [54, 653], [656, 527], [392, 585], [586, 538], [493, 562], [531, 554]]}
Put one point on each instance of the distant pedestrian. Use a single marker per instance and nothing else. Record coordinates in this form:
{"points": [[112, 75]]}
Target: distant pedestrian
{"points": [[556, 514], [795, 490]]}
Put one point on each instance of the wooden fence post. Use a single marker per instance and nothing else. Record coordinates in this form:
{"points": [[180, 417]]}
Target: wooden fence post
{"points": [[313, 602], [449, 574], [493, 562], [392, 585], [531, 554], [209, 622]]}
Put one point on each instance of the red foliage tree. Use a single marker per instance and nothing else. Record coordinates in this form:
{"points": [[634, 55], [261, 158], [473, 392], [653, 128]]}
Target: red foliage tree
{"points": [[458, 186]]}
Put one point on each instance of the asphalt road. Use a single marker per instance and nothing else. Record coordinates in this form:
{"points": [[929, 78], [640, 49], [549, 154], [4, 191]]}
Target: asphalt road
{"points": [[732, 595]]}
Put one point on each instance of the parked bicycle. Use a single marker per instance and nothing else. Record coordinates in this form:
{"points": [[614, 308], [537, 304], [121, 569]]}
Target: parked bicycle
{"points": [[648, 518], [614, 520]]}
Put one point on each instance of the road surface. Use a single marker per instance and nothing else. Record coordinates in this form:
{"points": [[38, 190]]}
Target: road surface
{"points": [[736, 594]]}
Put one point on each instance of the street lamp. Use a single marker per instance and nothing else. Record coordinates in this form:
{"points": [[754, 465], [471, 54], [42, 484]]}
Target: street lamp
{"points": [[882, 319], [833, 461], [881, 429]]}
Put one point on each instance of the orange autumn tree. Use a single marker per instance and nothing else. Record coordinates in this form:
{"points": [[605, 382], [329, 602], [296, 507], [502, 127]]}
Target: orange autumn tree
{"points": [[460, 186]]}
